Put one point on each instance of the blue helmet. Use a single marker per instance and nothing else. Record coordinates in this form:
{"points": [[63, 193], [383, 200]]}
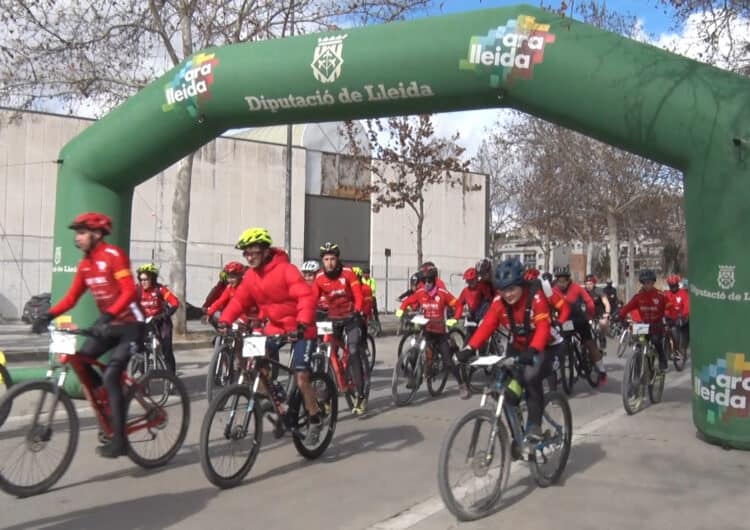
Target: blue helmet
{"points": [[647, 275], [509, 273]]}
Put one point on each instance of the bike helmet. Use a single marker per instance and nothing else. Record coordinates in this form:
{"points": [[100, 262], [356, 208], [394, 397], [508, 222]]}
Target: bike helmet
{"points": [[428, 266], [149, 268], [647, 275], [509, 273], [591, 278], [470, 274], [357, 271], [562, 273], [673, 279], [234, 268], [92, 221], [429, 275], [253, 236], [547, 276], [310, 266], [330, 248], [531, 274]]}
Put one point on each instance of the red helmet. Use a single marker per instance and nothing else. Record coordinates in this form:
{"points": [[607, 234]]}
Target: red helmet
{"points": [[234, 268], [470, 274], [591, 278], [93, 221], [531, 274], [673, 279]]}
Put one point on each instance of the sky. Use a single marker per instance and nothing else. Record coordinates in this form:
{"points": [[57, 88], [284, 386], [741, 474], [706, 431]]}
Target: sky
{"points": [[657, 26]]}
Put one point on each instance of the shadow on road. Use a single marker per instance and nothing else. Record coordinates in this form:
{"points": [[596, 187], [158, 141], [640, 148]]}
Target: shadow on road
{"points": [[153, 511]]}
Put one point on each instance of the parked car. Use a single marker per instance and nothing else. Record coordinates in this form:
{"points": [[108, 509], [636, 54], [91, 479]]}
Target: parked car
{"points": [[36, 306]]}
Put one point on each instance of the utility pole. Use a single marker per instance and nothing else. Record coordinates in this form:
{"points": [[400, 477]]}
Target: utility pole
{"points": [[288, 197]]}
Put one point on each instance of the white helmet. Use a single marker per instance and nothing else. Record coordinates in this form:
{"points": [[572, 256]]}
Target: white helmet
{"points": [[310, 266]]}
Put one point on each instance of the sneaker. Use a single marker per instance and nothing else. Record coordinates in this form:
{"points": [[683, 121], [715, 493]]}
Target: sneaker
{"points": [[313, 432], [464, 392], [602, 378], [361, 406], [112, 449]]}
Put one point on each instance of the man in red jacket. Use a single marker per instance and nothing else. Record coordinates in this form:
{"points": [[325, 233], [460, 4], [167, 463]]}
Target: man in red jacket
{"points": [[678, 312], [105, 271], [651, 304], [526, 313], [581, 312], [287, 303], [476, 296], [158, 301], [341, 292]]}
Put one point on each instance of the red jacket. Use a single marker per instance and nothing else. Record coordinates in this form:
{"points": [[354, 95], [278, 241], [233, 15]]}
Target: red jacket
{"points": [[433, 306], [679, 304], [342, 295], [154, 299], [650, 304], [473, 298], [496, 316], [281, 294], [557, 301], [105, 271], [214, 294], [574, 296], [367, 304]]}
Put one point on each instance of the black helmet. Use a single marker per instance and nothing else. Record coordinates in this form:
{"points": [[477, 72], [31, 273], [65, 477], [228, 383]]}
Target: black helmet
{"points": [[509, 273], [647, 275], [430, 275], [547, 276], [329, 248], [562, 273]]}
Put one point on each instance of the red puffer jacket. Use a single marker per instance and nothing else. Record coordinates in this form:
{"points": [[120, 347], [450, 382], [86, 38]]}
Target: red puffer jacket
{"points": [[281, 294]]}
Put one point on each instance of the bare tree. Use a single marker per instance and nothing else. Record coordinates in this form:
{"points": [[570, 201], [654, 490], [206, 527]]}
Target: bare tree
{"points": [[409, 159], [90, 55]]}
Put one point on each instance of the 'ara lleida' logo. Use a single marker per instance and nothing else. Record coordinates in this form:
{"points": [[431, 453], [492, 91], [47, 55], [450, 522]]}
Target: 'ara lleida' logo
{"points": [[509, 51], [190, 86]]}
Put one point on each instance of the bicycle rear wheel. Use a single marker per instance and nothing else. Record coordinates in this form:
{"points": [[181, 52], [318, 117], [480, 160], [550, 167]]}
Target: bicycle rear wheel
{"points": [[231, 436], [677, 352], [38, 438], [473, 467], [328, 403], [551, 455], [404, 383], [632, 385]]}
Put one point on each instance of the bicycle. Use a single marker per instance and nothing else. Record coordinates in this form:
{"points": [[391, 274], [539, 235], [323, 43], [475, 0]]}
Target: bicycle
{"points": [[674, 344], [152, 404], [151, 355], [327, 359], [641, 371], [416, 363], [582, 365], [236, 435], [486, 442]]}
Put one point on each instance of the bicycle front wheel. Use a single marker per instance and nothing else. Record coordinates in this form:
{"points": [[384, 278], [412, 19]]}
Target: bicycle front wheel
{"points": [[157, 417], [38, 438], [370, 351], [474, 465], [656, 381], [551, 455], [328, 404], [568, 369], [231, 435], [438, 376], [221, 372], [632, 385], [404, 381]]}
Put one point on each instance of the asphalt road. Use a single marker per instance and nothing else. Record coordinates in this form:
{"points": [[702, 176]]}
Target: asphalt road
{"points": [[379, 472]]}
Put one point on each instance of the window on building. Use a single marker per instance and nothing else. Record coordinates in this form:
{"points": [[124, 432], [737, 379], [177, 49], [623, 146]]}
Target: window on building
{"points": [[529, 259]]}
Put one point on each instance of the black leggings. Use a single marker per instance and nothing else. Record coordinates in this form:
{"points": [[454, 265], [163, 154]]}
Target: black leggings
{"points": [[164, 328], [121, 339], [531, 378]]}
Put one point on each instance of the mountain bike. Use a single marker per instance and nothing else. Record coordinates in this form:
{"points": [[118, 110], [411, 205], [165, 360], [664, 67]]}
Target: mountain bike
{"points": [[417, 362], [642, 371], [232, 431], [332, 357], [40, 435], [674, 344], [476, 453], [151, 355]]}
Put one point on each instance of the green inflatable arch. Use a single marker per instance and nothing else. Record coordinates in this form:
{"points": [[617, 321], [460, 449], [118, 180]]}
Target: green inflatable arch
{"points": [[662, 106]]}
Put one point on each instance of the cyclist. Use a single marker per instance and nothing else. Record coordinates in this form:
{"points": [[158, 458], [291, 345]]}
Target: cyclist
{"points": [[105, 271], [484, 274], [475, 296], [309, 269], [521, 307], [234, 271], [651, 305], [215, 291], [554, 296], [434, 302], [156, 300], [287, 304], [414, 280], [581, 311], [602, 309], [342, 292], [426, 267], [678, 311]]}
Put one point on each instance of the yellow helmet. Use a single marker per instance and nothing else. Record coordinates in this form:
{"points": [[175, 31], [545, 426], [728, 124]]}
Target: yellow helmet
{"points": [[253, 236], [148, 268]]}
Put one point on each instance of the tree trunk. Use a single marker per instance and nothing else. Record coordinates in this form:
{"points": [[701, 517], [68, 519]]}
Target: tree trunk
{"points": [[180, 226], [614, 250], [420, 224], [632, 276], [547, 250]]}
